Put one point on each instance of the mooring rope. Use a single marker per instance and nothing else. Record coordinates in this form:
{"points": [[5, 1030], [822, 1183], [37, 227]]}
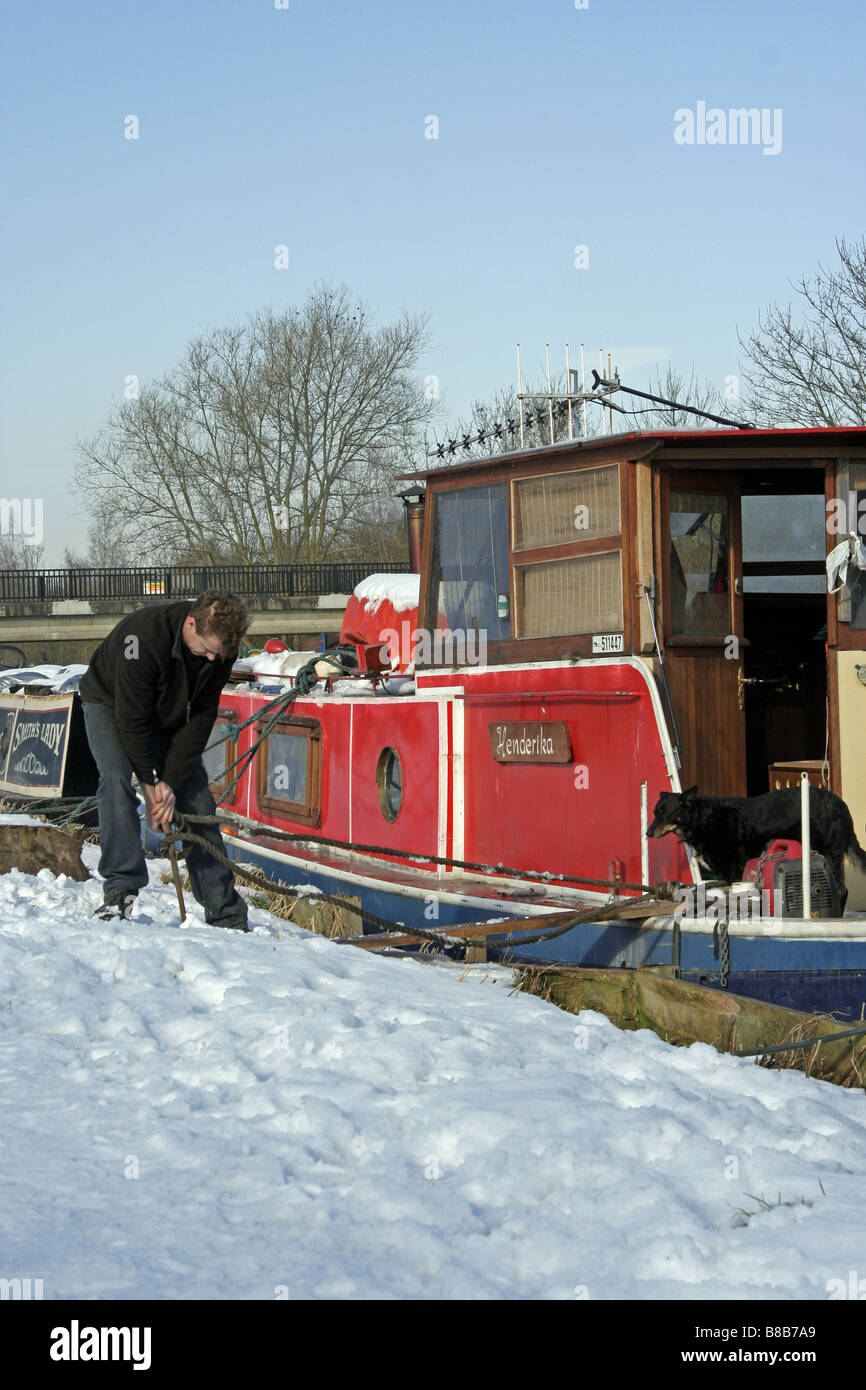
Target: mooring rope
{"points": [[184, 833], [260, 830]]}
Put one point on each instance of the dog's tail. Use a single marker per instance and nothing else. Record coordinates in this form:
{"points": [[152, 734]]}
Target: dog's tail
{"points": [[855, 854]]}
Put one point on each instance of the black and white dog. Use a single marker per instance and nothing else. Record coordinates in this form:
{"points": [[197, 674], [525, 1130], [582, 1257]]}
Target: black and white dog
{"points": [[726, 831]]}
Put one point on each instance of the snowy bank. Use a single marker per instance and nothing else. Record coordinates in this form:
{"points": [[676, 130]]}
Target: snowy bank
{"points": [[191, 1113]]}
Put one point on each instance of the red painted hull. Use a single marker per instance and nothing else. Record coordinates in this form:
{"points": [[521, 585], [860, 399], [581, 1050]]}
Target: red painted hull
{"points": [[580, 818]]}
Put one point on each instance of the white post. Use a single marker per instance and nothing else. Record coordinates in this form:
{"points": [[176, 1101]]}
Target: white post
{"points": [[549, 393], [644, 826], [806, 842], [568, 389], [583, 387]]}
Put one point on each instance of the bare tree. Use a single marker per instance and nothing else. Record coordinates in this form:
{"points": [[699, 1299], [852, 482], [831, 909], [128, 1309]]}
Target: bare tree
{"points": [[673, 385], [18, 553], [376, 531], [264, 442], [105, 550], [809, 368]]}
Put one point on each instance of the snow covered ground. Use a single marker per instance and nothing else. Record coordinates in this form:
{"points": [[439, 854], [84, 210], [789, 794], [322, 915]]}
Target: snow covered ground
{"points": [[192, 1113]]}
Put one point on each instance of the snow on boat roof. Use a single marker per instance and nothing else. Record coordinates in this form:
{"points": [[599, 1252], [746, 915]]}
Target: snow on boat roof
{"points": [[56, 679], [401, 591]]}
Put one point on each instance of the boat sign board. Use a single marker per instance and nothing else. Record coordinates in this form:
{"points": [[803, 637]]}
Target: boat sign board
{"points": [[527, 741], [34, 735], [606, 642]]}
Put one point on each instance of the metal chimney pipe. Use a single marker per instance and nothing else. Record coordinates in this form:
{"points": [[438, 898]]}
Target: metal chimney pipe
{"points": [[413, 501]]}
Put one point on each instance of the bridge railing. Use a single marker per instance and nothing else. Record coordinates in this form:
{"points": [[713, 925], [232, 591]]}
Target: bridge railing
{"points": [[188, 581]]}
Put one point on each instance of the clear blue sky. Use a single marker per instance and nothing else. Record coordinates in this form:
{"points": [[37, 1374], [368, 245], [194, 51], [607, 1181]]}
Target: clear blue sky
{"points": [[306, 127]]}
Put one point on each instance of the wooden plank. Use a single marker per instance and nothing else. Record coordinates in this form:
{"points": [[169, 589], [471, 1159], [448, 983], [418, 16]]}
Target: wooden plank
{"points": [[643, 560], [475, 931], [833, 721], [703, 687]]}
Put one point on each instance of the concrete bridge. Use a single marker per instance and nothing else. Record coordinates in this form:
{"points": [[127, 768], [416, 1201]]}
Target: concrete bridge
{"points": [[66, 613]]}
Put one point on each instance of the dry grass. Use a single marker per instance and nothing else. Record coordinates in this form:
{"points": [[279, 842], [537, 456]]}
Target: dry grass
{"points": [[532, 980], [304, 911], [277, 904], [810, 1060]]}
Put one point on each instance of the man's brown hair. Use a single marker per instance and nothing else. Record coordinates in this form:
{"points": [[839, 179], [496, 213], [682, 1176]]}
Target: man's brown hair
{"points": [[219, 613]]}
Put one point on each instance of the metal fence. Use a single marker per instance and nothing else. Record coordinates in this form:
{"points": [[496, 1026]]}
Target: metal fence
{"points": [[188, 581]]}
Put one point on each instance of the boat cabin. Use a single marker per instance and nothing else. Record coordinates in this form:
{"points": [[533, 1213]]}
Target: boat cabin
{"points": [[703, 553], [590, 624]]}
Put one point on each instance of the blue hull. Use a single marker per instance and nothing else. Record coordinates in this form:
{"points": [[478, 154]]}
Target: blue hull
{"points": [[823, 975]]}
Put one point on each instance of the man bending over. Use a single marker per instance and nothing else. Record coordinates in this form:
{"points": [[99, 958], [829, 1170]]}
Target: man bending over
{"points": [[150, 696]]}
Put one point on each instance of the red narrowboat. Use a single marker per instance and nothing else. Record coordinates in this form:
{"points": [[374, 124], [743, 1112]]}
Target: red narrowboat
{"points": [[591, 623]]}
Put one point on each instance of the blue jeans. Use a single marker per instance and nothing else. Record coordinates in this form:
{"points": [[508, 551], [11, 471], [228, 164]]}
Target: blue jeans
{"points": [[122, 863]]}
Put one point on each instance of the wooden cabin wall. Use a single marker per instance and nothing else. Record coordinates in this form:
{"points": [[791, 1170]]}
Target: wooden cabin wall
{"points": [[704, 693], [702, 682], [643, 632], [851, 719]]}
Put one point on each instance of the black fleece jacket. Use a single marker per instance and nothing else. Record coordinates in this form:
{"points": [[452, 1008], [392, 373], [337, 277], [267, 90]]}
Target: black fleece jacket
{"points": [[139, 671]]}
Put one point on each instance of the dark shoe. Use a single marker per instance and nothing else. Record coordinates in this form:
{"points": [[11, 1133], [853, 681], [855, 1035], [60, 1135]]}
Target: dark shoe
{"points": [[117, 907], [231, 926]]}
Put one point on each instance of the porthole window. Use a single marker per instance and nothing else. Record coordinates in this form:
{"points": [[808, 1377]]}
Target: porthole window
{"points": [[389, 779]]}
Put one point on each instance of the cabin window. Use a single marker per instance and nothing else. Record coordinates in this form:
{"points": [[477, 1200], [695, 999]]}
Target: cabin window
{"points": [[469, 577], [289, 770], [389, 780], [700, 530], [565, 507], [221, 752], [782, 534], [567, 557], [570, 596]]}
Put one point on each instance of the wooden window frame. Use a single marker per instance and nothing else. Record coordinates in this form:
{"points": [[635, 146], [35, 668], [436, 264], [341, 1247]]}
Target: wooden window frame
{"points": [[230, 746], [575, 646], [308, 812], [569, 550], [840, 631], [548, 476], [688, 481], [427, 600]]}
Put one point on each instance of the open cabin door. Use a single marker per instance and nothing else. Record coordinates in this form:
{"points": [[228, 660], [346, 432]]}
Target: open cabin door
{"points": [[699, 539]]}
